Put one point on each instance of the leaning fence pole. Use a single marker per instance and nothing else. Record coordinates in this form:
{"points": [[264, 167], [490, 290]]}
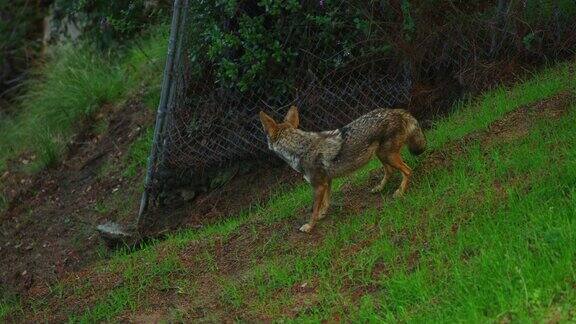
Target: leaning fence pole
{"points": [[176, 73], [161, 113]]}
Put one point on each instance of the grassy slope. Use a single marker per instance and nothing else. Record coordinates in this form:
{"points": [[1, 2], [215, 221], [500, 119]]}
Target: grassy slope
{"points": [[69, 88], [455, 248], [490, 236]]}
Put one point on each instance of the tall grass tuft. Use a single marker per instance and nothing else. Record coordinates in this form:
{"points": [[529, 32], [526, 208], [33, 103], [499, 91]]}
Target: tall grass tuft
{"points": [[71, 86], [73, 83]]}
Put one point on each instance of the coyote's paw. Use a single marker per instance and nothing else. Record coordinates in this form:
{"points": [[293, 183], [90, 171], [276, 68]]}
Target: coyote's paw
{"points": [[306, 228], [398, 193]]}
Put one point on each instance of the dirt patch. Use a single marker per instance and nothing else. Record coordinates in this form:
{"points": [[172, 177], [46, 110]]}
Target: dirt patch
{"points": [[305, 296], [48, 227], [232, 198]]}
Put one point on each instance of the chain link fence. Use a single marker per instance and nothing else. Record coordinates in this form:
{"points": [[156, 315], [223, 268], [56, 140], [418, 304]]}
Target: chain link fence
{"points": [[218, 127], [204, 126]]}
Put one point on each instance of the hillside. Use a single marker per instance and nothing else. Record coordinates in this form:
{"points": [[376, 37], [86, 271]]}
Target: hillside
{"points": [[486, 232]]}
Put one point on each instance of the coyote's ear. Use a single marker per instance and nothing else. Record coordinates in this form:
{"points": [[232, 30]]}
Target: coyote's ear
{"points": [[292, 117], [268, 123]]}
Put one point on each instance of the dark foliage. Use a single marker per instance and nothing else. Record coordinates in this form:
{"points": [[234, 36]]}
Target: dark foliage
{"points": [[266, 46], [20, 40], [111, 23]]}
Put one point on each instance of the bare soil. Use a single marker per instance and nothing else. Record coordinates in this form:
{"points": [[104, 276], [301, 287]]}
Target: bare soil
{"points": [[48, 227]]}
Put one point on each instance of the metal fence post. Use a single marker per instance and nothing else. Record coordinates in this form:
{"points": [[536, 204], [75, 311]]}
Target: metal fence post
{"points": [[162, 109]]}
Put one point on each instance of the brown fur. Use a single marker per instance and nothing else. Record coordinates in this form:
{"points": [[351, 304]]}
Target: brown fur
{"points": [[323, 156]]}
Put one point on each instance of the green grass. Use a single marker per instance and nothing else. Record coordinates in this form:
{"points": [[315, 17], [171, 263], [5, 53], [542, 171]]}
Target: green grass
{"points": [[138, 153], [510, 256], [9, 306], [74, 83], [489, 237], [495, 104], [135, 282], [70, 88]]}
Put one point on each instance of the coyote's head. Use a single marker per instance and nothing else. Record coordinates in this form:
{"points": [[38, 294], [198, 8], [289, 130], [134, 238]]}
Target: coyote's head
{"points": [[275, 130]]}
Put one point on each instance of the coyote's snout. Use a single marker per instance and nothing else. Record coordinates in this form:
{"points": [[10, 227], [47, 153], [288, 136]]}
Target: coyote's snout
{"points": [[323, 156]]}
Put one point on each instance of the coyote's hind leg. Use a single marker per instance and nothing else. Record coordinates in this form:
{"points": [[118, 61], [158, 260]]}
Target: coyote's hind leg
{"points": [[388, 170]]}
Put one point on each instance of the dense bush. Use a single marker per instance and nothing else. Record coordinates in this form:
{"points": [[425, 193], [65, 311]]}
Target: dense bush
{"points": [[259, 44], [266, 44], [253, 43]]}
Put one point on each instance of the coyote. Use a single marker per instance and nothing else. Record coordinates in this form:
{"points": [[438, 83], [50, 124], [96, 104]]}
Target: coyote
{"points": [[323, 156]]}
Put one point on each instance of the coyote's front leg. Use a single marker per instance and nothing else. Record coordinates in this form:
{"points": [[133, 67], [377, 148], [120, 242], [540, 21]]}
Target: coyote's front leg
{"points": [[321, 202], [325, 201]]}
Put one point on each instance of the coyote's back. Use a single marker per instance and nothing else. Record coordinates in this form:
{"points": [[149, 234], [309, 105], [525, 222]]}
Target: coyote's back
{"points": [[379, 131]]}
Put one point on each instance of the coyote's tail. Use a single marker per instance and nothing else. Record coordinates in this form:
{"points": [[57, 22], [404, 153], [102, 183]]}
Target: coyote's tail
{"points": [[416, 139]]}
